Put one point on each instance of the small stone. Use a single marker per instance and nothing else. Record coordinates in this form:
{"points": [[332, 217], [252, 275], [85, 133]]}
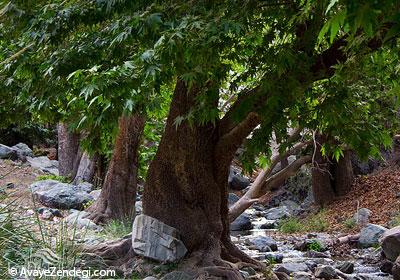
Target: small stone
{"points": [[243, 222], [302, 276], [289, 268], [263, 243], [362, 216], [277, 213], [236, 180], [44, 163], [10, 185], [346, 267], [270, 224], [326, 272], [7, 152], [249, 270], [46, 215], [22, 151], [232, 199], [315, 254], [150, 278]]}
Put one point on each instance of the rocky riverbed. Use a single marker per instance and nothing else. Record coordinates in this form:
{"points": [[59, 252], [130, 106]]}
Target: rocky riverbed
{"points": [[303, 256]]}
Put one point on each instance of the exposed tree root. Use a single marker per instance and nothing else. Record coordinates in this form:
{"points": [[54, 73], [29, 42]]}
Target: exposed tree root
{"points": [[118, 254], [232, 253], [213, 272], [97, 216]]}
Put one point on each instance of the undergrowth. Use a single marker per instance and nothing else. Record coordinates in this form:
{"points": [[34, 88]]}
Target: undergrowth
{"points": [[53, 177], [317, 223]]}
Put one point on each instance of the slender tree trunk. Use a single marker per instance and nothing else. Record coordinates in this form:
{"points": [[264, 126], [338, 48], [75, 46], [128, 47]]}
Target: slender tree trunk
{"points": [[118, 195], [68, 151], [343, 174], [321, 175], [187, 187]]}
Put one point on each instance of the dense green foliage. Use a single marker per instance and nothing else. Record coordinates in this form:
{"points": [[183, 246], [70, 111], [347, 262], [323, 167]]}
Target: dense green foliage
{"points": [[322, 65]]}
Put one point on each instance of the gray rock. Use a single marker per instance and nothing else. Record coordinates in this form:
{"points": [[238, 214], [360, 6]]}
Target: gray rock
{"points": [[302, 276], [289, 268], [85, 186], [263, 243], [243, 222], [54, 212], [95, 194], [269, 224], [156, 240], [370, 235], [7, 152], [138, 207], [22, 151], [79, 220], [249, 270], [315, 254], [236, 180], [44, 163], [274, 257], [362, 216], [232, 199], [150, 278], [306, 245], [277, 213], [244, 274], [391, 243], [292, 206], [326, 272], [346, 267], [54, 194]]}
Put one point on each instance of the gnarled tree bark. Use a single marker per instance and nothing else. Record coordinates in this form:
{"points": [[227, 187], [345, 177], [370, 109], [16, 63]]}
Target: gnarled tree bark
{"points": [[187, 185], [118, 194]]}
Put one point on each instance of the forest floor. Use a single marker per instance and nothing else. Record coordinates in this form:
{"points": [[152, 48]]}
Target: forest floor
{"points": [[379, 192]]}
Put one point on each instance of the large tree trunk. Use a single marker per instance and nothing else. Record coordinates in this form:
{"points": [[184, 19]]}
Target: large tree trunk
{"points": [[343, 174], [321, 175], [187, 188], [68, 151], [118, 195]]}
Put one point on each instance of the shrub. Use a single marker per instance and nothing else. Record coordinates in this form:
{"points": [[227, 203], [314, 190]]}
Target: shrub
{"points": [[315, 245], [317, 222], [62, 179], [350, 223], [291, 225], [118, 228]]}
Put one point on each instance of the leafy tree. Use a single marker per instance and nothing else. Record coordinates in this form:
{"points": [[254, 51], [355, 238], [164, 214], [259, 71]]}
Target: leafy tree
{"points": [[112, 57]]}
